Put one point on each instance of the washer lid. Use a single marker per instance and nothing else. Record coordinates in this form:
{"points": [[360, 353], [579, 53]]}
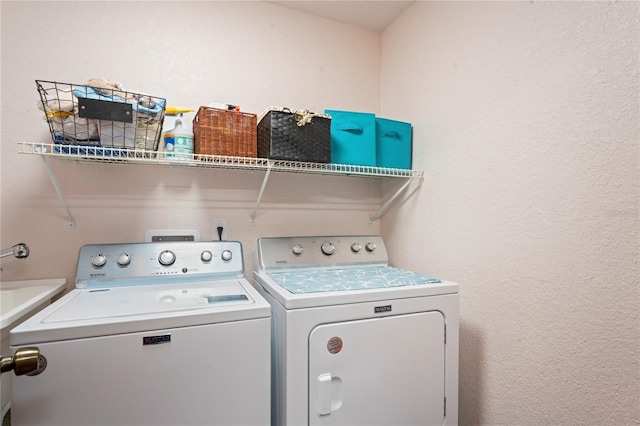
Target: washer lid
{"points": [[99, 304], [99, 312], [310, 287]]}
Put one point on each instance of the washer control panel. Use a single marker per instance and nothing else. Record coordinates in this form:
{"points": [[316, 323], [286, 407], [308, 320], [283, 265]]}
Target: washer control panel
{"points": [[279, 252], [118, 263]]}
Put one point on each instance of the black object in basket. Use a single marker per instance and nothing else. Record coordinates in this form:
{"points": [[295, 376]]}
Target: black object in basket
{"points": [[285, 134], [79, 114]]}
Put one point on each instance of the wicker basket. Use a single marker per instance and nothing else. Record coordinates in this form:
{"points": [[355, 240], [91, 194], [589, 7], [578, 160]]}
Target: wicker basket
{"points": [[225, 132], [285, 134]]}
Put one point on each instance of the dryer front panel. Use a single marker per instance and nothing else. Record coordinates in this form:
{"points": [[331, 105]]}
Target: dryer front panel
{"points": [[378, 371]]}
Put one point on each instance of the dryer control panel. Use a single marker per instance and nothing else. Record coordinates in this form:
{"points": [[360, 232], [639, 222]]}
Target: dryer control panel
{"points": [[158, 262], [286, 252]]}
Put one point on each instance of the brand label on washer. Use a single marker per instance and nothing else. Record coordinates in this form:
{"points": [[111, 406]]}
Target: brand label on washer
{"points": [[156, 340], [334, 345], [380, 309]]}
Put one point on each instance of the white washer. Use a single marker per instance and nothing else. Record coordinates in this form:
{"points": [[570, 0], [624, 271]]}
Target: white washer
{"points": [[154, 334], [355, 341]]}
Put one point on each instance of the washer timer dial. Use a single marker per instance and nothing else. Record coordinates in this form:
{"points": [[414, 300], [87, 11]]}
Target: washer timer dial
{"points": [[167, 258]]}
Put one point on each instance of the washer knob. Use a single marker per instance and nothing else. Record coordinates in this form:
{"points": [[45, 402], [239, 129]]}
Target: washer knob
{"points": [[206, 256], [328, 248], [356, 247], [226, 255], [167, 258], [297, 249], [98, 260], [370, 247], [124, 259]]}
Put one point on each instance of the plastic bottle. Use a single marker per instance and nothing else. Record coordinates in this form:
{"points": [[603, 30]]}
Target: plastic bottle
{"points": [[178, 141]]}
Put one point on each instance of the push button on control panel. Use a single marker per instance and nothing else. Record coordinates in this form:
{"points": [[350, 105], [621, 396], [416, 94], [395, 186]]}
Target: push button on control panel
{"points": [[226, 255], [328, 248], [206, 256], [98, 260], [124, 259]]}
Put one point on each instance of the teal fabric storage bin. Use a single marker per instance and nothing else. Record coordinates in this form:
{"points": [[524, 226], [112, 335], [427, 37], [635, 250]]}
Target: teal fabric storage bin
{"points": [[353, 137], [393, 143]]}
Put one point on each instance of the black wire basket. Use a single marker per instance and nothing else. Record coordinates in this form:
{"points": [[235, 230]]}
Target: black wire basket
{"points": [[81, 114]]}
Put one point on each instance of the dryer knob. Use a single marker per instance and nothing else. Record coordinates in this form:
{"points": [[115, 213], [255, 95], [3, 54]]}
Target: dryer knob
{"points": [[328, 248], [226, 255], [297, 249], [206, 256], [167, 258], [356, 247], [370, 247], [124, 259], [98, 260]]}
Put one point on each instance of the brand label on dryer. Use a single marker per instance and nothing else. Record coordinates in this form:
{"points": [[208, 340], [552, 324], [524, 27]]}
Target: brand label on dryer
{"points": [[380, 309], [156, 340]]}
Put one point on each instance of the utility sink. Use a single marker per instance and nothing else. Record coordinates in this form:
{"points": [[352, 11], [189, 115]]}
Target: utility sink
{"points": [[20, 298], [18, 301]]}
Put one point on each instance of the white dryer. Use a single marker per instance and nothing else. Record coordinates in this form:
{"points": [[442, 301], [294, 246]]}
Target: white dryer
{"points": [[154, 334], [355, 341]]}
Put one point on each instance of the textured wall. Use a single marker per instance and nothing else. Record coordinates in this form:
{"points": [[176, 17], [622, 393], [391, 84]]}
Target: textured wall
{"points": [[526, 120], [253, 54]]}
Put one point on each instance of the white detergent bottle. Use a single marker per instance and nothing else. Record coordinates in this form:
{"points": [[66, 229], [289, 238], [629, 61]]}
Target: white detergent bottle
{"points": [[178, 141]]}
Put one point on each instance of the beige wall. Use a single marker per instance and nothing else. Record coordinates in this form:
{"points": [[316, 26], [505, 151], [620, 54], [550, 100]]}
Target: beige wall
{"points": [[253, 54], [526, 120]]}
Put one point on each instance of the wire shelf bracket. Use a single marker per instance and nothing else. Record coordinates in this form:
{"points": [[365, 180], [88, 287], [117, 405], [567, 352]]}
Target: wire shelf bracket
{"points": [[391, 200], [71, 222], [264, 184]]}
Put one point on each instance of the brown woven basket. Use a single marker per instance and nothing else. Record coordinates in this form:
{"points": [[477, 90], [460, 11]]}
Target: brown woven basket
{"points": [[225, 132]]}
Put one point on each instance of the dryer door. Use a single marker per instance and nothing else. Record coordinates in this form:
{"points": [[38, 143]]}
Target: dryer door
{"points": [[378, 371]]}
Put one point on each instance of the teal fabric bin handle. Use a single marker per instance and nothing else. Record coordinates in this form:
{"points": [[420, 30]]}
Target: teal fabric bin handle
{"points": [[349, 127], [392, 134]]}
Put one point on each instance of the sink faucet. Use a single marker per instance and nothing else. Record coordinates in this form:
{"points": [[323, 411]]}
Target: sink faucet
{"points": [[19, 250]]}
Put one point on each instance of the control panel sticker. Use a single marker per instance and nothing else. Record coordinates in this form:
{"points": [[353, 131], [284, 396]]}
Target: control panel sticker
{"points": [[334, 345]]}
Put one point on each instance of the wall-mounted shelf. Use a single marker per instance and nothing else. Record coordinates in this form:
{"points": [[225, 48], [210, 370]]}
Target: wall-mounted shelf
{"points": [[132, 156]]}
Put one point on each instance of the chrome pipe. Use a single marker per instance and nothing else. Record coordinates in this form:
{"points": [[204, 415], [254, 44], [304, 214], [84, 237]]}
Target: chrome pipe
{"points": [[19, 250]]}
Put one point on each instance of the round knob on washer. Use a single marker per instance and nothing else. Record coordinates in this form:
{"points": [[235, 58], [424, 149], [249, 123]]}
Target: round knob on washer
{"points": [[206, 256], [167, 258], [370, 247], [297, 249], [328, 248], [356, 247], [226, 255], [98, 260], [124, 259]]}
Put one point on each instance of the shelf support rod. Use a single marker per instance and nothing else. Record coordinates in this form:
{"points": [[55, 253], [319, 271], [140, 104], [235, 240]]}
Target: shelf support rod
{"points": [[71, 224], [264, 184], [391, 200]]}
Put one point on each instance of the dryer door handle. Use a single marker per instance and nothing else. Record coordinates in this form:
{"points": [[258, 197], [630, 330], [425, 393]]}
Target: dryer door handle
{"points": [[329, 394], [324, 394]]}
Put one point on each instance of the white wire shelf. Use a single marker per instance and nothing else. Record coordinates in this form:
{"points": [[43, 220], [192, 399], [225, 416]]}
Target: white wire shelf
{"points": [[132, 156]]}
